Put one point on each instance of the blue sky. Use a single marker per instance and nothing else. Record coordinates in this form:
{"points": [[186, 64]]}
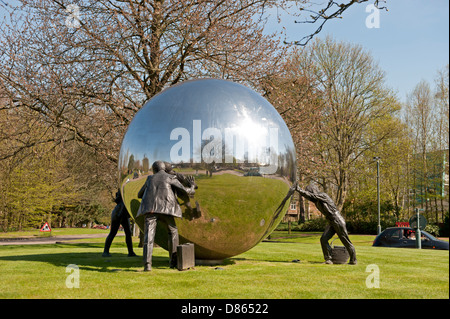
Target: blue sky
{"points": [[411, 43]]}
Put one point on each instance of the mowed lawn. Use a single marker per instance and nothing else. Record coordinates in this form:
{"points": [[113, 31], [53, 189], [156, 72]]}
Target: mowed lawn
{"points": [[266, 271]]}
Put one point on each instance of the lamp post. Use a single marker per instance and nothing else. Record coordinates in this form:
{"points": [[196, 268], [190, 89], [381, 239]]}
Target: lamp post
{"points": [[377, 158], [418, 234], [418, 222]]}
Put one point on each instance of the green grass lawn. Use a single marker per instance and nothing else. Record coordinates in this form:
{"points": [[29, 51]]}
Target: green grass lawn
{"points": [[266, 271]]}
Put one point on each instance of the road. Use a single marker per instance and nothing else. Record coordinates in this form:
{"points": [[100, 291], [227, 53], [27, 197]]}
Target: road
{"points": [[49, 240]]}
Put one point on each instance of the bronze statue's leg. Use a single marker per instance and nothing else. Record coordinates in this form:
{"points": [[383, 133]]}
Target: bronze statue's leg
{"points": [[149, 238], [343, 236], [326, 248], [125, 222], [115, 224], [173, 240]]}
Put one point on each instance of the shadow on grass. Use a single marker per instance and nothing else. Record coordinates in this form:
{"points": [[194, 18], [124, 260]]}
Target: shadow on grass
{"points": [[91, 261], [295, 261]]}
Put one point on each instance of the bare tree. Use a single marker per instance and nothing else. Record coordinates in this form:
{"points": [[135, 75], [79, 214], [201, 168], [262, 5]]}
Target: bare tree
{"points": [[442, 111], [293, 93], [441, 133], [420, 104], [354, 96], [86, 67], [325, 12], [87, 79]]}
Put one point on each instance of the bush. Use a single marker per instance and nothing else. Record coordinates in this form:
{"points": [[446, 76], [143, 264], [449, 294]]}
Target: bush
{"points": [[369, 226], [362, 227], [285, 226], [444, 230], [433, 229], [317, 224]]}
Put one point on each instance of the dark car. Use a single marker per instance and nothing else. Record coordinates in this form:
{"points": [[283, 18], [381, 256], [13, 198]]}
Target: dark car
{"points": [[405, 237]]}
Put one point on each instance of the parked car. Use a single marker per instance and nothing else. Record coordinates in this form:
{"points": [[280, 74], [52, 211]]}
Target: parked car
{"points": [[405, 237]]}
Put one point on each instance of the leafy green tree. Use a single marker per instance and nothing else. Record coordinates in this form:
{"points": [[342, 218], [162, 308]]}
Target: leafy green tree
{"points": [[353, 92], [393, 152]]}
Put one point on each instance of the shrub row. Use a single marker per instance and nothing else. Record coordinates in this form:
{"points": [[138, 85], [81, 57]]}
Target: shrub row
{"points": [[363, 227]]}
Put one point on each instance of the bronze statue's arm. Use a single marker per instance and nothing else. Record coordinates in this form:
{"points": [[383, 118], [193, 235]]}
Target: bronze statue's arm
{"points": [[142, 190], [309, 196], [189, 191], [314, 197], [193, 185]]}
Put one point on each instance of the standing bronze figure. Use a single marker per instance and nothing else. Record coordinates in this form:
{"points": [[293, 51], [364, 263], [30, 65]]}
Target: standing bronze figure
{"points": [[119, 216], [336, 223], [159, 203]]}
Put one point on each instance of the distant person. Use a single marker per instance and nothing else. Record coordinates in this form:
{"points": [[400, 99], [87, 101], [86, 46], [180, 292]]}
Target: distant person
{"points": [[159, 203], [119, 216], [336, 223]]}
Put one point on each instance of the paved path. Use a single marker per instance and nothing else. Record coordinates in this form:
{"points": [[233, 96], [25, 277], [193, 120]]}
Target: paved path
{"points": [[49, 240]]}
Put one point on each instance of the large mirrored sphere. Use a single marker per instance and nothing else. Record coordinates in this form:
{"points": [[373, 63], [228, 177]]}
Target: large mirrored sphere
{"points": [[236, 146]]}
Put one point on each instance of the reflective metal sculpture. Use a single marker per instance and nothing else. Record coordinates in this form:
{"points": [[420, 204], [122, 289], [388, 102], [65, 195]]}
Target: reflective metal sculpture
{"points": [[236, 146]]}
